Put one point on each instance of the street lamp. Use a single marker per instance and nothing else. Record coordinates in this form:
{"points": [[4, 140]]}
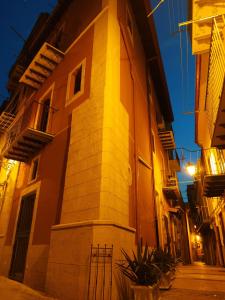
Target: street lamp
{"points": [[191, 169]]}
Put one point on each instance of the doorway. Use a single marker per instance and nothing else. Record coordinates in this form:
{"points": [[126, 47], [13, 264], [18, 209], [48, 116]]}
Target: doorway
{"points": [[22, 237], [44, 115]]}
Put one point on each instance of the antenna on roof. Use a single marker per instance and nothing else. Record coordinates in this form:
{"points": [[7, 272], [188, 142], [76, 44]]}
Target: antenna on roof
{"points": [[17, 33], [152, 12]]}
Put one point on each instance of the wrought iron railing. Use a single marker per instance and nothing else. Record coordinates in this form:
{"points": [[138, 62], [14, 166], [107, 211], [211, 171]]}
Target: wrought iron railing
{"points": [[214, 162], [216, 74], [169, 179], [28, 117]]}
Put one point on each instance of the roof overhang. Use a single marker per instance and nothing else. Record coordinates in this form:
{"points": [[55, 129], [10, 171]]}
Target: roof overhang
{"points": [[149, 39]]}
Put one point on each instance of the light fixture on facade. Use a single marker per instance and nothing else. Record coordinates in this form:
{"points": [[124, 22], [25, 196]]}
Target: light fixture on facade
{"points": [[191, 169]]}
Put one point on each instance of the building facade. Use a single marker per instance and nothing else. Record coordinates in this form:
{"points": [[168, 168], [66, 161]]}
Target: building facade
{"points": [[207, 33], [88, 153]]}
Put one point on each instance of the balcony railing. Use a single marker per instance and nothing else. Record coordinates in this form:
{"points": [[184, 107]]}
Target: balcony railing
{"points": [[6, 120], [29, 133], [214, 175], [171, 188], [174, 161], [215, 94]]}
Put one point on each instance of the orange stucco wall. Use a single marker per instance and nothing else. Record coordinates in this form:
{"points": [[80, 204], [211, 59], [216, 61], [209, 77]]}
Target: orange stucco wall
{"points": [[53, 157], [134, 99]]}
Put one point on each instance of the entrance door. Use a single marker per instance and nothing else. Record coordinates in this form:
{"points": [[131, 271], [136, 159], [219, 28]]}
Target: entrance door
{"points": [[18, 261], [43, 120]]}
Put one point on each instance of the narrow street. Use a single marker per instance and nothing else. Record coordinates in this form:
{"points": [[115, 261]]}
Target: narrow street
{"points": [[197, 282], [12, 290]]}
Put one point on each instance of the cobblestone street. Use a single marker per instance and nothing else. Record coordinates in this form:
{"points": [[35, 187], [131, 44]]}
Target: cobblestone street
{"points": [[197, 282]]}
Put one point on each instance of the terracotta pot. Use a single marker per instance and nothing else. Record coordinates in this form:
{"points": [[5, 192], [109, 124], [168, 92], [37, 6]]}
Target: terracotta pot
{"points": [[143, 292], [165, 281]]}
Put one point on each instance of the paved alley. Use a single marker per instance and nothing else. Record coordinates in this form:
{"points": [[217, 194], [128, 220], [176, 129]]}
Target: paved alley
{"points": [[197, 282], [12, 290]]}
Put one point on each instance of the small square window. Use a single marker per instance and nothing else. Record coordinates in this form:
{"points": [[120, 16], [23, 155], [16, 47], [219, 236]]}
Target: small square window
{"points": [[75, 87], [34, 169]]}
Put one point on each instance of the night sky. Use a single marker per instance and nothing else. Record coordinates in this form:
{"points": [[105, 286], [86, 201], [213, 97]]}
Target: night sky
{"points": [[20, 16], [179, 66]]}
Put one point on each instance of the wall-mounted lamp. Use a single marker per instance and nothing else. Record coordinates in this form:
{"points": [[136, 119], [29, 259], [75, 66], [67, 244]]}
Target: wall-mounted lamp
{"points": [[191, 169]]}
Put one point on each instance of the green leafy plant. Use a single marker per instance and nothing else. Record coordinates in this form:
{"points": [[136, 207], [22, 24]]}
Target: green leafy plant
{"points": [[163, 259], [140, 269]]}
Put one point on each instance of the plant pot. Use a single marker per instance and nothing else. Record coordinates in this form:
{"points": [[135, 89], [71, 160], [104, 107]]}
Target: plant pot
{"points": [[165, 282], [143, 292]]}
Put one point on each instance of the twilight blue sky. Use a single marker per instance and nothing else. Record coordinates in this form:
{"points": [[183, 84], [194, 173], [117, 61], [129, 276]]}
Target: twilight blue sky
{"points": [[21, 15], [179, 66]]}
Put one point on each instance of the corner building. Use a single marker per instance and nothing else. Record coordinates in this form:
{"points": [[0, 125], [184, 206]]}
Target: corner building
{"points": [[87, 149]]}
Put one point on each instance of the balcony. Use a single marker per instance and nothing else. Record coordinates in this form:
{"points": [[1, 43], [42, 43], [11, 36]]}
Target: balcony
{"points": [[202, 11], [214, 175], [215, 94], [167, 139], [41, 67], [171, 188], [214, 185], [6, 120], [174, 161], [29, 132], [203, 219]]}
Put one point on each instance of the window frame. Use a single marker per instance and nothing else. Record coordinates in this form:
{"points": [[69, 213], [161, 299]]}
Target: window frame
{"points": [[70, 96], [37, 158], [47, 95]]}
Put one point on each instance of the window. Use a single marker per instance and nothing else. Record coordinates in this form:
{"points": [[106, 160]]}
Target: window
{"points": [[77, 80], [75, 87], [44, 115], [45, 110], [34, 169]]}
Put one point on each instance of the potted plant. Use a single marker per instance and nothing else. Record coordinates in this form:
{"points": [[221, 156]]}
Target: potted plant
{"points": [[142, 271], [165, 262]]}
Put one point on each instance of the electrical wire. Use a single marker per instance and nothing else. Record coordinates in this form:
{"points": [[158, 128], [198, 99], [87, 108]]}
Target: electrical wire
{"points": [[169, 14], [182, 71], [187, 67], [151, 12], [173, 17]]}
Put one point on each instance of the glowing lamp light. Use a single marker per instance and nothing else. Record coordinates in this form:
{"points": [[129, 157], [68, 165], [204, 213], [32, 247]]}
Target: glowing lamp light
{"points": [[191, 169], [198, 238]]}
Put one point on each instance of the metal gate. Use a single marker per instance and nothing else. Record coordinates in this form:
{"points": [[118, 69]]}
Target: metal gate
{"points": [[18, 261], [100, 273]]}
